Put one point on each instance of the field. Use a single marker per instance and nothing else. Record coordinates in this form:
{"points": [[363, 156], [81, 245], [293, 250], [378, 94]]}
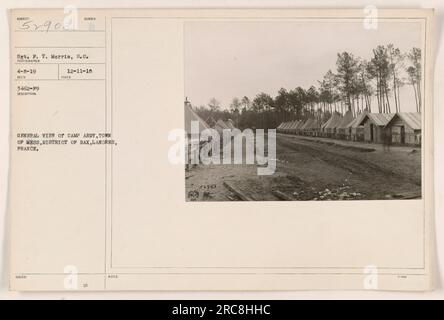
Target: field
{"points": [[314, 169]]}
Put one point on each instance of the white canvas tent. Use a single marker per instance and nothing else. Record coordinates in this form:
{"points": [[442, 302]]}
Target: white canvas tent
{"points": [[191, 116]]}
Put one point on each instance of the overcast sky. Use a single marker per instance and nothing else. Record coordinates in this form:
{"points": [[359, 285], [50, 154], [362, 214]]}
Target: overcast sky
{"points": [[236, 59]]}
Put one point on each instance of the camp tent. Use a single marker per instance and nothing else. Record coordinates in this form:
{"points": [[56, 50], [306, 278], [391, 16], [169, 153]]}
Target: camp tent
{"points": [[405, 128], [291, 127], [283, 127], [279, 127], [294, 128], [329, 127], [310, 127], [191, 116], [306, 126], [286, 127], [342, 128], [305, 123], [374, 126], [356, 130], [210, 122], [230, 124], [221, 125], [298, 128], [323, 125], [191, 119]]}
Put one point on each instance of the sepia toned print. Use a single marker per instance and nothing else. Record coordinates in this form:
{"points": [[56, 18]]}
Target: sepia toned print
{"points": [[100, 197], [335, 106]]}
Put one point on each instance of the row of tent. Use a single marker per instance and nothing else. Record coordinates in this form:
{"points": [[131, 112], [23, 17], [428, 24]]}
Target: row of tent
{"points": [[195, 144], [397, 128]]}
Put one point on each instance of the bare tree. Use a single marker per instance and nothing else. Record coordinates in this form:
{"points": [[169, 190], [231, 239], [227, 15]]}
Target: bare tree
{"points": [[214, 105], [235, 105], [379, 69], [396, 67], [347, 68], [350, 88], [245, 102], [414, 73]]}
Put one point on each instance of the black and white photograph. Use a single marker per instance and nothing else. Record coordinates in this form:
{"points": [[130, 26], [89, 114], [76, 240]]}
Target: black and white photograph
{"points": [[212, 151], [303, 110]]}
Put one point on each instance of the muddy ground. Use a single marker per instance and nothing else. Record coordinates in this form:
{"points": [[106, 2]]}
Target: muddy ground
{"points": [[314, 169]]}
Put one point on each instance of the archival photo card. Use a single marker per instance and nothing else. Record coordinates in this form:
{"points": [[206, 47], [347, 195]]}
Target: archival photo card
{"points": [[197, 149]]}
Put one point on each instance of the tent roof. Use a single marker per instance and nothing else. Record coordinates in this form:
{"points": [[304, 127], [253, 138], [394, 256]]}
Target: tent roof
{"points": [[288, 125], [222, 124], [210, 121], [293, 124], [346, 120], [296, 124], [323, 125], [284, 125], [309, 124], [412, 119], [190, 116], [356, 123], [299, 124], [306, 123], [380, 119], [333, 121], [230, 124]]}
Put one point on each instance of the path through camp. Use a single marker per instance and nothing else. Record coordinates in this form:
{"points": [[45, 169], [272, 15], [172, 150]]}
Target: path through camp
{"points": [[314, 169]]}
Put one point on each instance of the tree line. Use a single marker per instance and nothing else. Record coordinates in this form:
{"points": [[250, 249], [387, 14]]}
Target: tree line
{"points": [[353, 86]]}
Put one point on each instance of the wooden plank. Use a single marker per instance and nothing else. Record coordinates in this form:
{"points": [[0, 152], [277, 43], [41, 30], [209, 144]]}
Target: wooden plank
{"points": [[237, 192], [408, 195], [231, 198], [282, 195]]}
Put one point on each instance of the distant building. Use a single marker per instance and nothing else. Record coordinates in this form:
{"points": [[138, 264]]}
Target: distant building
{"points": [[190, 117], [295, 126], [210, 121], [291, 127], [280, 128], [374, 126], [284, 127], [310, 127], [221, 125], [396, 128], [356, 131], [405, 128], [342, 128], [328, 129], [230, 124]]}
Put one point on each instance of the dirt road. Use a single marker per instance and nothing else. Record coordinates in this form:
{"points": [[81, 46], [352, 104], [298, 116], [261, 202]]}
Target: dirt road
{"points": [[315, 169]]}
